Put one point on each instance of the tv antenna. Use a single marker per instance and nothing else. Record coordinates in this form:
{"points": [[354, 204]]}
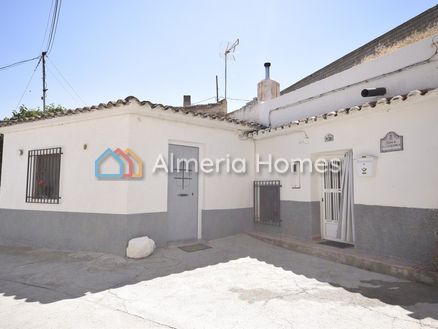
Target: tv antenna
{"points": [[229, 51]]}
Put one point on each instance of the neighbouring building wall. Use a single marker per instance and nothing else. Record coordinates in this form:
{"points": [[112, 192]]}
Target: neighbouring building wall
{"points": [[396, 210], [417, 28], [102, 215], [343, 89], [248, 112], [219, 108]]}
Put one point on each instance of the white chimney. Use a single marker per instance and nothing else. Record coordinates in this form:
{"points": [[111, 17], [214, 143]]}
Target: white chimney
{"points": [[267, 89]]}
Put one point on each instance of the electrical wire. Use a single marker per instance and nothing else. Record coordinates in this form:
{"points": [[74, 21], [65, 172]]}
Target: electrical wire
{"points": [[47, 25], [78, 100], [52, 73], [54, 25], [54, 12], [27, 85], [204, 100], [66, 81], [239, 99], [18, 63], [55, 9]]}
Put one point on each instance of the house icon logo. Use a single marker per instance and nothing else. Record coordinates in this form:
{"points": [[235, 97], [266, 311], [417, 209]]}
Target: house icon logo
{"points": [[128, 164]]}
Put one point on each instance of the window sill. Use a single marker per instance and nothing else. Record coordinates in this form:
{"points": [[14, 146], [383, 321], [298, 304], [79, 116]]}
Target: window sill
{"points": [[43, 200]]}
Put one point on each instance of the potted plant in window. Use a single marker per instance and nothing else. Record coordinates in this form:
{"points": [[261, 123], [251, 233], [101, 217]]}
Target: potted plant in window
{"points": [[42, 188]]}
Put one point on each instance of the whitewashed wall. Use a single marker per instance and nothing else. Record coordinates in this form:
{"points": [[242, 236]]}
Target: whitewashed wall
{"points": [[127, 127], [406, 178], [151, 136], [79, 189]]}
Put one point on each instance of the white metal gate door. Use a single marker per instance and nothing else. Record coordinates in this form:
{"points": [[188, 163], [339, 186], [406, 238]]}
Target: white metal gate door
{"points": [[331, 199]]}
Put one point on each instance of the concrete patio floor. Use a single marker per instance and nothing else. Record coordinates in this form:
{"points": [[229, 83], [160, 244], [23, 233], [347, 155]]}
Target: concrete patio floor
{"points": [[239, 283]]}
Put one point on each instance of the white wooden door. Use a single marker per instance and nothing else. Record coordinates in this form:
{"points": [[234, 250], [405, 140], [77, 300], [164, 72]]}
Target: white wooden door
{"points": [[331, 199]]}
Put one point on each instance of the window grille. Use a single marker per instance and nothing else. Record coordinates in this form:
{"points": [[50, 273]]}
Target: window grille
{"points": [[43, 175], [267, 202]]}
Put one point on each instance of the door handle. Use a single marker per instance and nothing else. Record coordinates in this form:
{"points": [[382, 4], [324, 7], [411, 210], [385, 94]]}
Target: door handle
{"points": [[183, 194]]}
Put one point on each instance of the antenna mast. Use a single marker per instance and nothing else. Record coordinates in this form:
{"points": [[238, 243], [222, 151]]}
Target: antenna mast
{"points": [[230, 49]]}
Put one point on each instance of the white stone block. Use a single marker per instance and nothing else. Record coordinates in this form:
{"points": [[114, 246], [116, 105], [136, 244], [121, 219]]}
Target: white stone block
{"points": [[140, 247]]}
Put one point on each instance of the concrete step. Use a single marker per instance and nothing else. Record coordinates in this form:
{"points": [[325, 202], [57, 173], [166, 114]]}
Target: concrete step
{"points": [[352, 257]]}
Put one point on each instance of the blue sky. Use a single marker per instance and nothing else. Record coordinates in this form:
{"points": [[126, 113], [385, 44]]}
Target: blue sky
{"points": [[161, 50]]}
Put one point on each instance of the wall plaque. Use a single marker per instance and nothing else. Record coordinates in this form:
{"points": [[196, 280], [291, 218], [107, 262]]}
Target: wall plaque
{"points": [[391, 143]]}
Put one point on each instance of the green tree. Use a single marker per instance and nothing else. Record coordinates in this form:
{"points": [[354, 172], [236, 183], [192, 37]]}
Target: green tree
{"points": [[25, 112]]}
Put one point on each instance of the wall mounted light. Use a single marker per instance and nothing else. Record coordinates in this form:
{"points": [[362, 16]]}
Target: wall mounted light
{"points": [[329, 138]]}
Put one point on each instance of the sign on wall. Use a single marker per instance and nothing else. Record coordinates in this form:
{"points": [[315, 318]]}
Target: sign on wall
{"points": [[391, 143]]}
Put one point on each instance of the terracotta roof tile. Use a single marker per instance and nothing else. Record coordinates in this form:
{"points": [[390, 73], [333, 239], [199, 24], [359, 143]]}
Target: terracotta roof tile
{"points": [[369, 105], [193, 110]]}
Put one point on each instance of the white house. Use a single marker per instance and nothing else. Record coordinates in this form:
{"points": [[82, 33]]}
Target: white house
{"points": [[54, 192], [100, 214]]}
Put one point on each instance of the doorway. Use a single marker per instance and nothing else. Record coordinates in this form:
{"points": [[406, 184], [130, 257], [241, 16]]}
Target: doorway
{"points": [[336, 198], [182, 193]]}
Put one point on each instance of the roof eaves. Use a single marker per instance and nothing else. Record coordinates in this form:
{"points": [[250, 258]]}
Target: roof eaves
{"points": [[345, 111], [190, 110]]}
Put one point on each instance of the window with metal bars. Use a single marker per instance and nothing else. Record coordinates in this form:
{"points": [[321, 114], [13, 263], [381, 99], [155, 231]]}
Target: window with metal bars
{"points": [[43, 175], [267, 202]]}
